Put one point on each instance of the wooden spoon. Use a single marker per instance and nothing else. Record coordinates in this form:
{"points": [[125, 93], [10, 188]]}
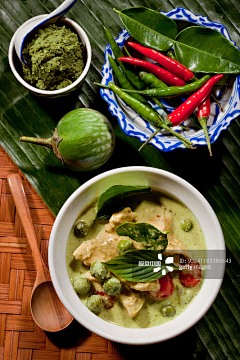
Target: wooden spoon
{"points": [[47, 310]]}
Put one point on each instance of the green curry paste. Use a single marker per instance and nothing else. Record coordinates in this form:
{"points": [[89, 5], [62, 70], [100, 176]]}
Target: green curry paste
{"points": [[54, 58]]}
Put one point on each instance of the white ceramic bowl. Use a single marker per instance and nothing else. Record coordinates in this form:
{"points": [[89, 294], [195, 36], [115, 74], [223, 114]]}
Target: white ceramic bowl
{"points": [[158, 179], [15, 63]]}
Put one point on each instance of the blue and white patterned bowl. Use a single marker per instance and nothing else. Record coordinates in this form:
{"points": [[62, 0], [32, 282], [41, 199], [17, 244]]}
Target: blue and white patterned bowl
{"points": [[134, 125]]}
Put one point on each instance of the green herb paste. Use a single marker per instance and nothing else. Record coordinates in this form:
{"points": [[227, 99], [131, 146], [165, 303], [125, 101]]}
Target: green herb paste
{"points": [[54, 58]]}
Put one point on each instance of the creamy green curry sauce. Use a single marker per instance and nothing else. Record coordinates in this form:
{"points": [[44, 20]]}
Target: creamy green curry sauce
{"points": [[146, 206]]}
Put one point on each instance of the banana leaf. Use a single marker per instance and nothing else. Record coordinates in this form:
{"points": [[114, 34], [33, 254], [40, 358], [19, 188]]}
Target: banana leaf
{"points": [[216, 335]]}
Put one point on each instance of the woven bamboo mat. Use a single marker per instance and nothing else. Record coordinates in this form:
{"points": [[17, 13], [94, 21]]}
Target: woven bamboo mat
{"points": [[20, 337]]}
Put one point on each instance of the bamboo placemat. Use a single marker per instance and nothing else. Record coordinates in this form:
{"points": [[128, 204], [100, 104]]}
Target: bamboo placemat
{"points": [[20, 337]]}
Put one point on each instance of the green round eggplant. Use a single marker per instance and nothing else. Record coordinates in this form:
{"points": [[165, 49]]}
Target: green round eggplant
{"points": [[83, 140]]}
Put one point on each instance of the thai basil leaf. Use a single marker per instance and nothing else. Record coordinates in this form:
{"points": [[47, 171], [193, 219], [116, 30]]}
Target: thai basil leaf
{"points": [[150, 28], [206, 50], [139, 265], [107, 201], [146, 234]]}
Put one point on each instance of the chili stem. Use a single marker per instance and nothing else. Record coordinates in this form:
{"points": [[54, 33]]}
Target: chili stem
{"points": [[149, 139], [152, 136], [218, 104], [203, 115], [167, 112], [205, 129], [186, 142], [126, 51]]}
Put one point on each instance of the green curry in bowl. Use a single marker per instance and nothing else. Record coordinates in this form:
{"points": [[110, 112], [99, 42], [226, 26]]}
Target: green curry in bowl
{"points": [[140, 226]]}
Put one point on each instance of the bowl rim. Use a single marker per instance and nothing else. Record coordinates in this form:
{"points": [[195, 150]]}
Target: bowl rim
{"points": [[208, 291], [82, 34]]}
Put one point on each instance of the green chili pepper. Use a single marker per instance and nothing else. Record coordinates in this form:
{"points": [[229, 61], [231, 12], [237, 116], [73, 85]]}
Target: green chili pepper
{"points": [[158, 102], [163, 74], [172, 91], [153, 82], [144, 110], [128, 85], [123, 81], [149, 79], [171, 54], [117, 52]]}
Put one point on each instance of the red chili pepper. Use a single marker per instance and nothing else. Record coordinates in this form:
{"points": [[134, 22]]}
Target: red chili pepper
{"points": [[166, 287], [191, 276], [107, 299], [186, 109], [173, 65], [163, 74], [203, 115], [204, 109]]}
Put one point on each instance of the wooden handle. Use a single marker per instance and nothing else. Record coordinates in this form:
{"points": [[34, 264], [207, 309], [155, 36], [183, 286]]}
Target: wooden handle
{"points": [[19, 196]]}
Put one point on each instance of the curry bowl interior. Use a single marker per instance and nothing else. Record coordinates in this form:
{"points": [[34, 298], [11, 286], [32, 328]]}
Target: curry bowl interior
{"points": [[159, 180]]}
